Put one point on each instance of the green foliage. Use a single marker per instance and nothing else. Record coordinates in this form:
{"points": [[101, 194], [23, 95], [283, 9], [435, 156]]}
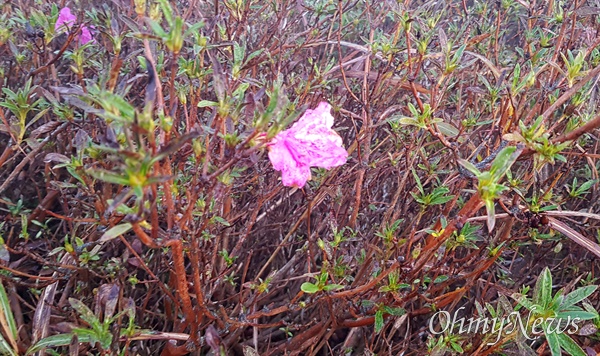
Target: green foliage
{"points": [[466, 237], [8, 344], [489, 186], [554, 311], [21, 103], [321, 284]]}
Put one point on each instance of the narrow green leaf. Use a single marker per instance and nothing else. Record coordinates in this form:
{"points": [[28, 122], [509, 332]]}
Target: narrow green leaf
{"points": [[330, 287], [502, 163], [5, 348], [108, 176], [55, 340], [440, 279], [577, 296], [587, 185], [458, 54], [410, 121], [394, 311], [469, 167], [521, 299], [569, 345], [156, 28], [456, 347], [447, 129], [167, 11], [37, 117], [378, 321], [553, 342], [8, 320], [579, 314], [221, 221], [542, 293], [115, 232], [239, 52], [85, 313], [207, 103], [491, 214], [193, 28]]}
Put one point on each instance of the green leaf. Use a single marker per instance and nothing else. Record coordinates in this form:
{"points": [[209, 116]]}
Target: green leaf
{"points": [[238, 53], [115, 232], [522, 299], [542, 293], [55, 340], [378, 321], [394, 311], [458, 54], [5, 348], [553, 342], [440, 279], [84, 312], [418, 182], [503, 161], [309, 288], [439, 196], [456, 347], [193, 28], [156, 28], [9, 325], [167, 11], [413, 110], [587, 185], [491, 214], [323, 277], [579, 314], [254, 54], [469, 166], [569, 345], [108, 176], [330, 287], [207, 103], [411, 121], [221, 221], [37, 117], [447, 129], [577, 296]]}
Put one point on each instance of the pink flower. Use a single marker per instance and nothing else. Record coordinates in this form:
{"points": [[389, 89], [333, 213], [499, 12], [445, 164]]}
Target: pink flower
{"points": [[86, 35], [310, 142], [66, 20]]}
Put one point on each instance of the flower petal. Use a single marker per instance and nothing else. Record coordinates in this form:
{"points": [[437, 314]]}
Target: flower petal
{"points": [[65, 18], [317, 144], [283, 158], [85, 36], [309, 142]]}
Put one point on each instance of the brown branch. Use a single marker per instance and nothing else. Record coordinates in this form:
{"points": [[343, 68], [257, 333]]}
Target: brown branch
{"points": [[58, 55], [569, 93], [573, 135]]}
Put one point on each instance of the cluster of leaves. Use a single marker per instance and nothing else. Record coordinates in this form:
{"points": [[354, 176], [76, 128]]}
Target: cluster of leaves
{"points": [[136, 164]]}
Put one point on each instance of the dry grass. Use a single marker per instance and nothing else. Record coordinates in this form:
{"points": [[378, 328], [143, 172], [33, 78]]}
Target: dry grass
{"points": [[133, 180]]}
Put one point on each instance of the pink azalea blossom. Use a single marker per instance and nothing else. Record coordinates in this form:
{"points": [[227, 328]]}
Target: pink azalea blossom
{"points": [[66, 20], [310, 142], [86, 35]]}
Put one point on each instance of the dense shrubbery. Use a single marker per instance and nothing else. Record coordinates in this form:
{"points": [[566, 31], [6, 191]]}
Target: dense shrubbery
{"points": [[141, 213]]}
